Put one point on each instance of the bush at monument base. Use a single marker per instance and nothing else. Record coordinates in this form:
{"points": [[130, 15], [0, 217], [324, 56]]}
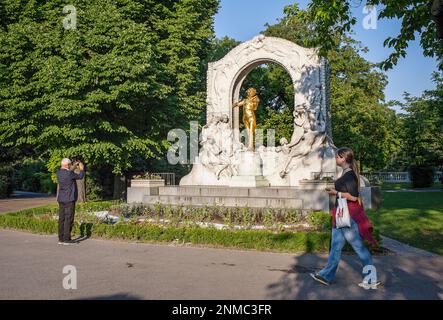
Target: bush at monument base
{"points": [[43, 220]]}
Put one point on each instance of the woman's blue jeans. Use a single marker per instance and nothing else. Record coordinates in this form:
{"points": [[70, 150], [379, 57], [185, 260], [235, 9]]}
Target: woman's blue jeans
{"points": [[339, 236]]}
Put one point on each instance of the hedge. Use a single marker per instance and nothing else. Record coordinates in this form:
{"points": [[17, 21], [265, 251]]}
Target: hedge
{"points": [[40, 220], [144, 232]]}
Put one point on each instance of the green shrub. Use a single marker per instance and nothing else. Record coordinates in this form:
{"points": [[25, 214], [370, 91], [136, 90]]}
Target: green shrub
{"points": [[245, 239], [94, 191], [99, 183], [375, 181], [46, 185], [80, 207], [230, 216], [6, 181], [44, 220], [321, 221], [4, 187], [32, 175], [92, 206], [422, 176], [47, 209]]}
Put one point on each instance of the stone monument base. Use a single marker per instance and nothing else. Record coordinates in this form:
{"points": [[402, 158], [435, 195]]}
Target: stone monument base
{"points": [[264, 197], [249, 181]]}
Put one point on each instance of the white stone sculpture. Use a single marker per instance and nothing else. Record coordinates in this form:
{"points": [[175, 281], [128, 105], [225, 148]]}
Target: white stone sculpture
{"points": [[310, 148]]}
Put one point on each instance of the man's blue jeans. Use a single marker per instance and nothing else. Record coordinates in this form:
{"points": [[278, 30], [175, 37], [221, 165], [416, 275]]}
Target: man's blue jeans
{"points": [[339, 236]]}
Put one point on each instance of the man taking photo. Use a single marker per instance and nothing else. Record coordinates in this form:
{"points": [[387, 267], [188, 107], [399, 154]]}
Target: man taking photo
{"points": [[66, 197]]}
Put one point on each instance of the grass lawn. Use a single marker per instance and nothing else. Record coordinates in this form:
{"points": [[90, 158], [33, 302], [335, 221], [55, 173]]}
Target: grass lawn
{"points": [[415, 218]]}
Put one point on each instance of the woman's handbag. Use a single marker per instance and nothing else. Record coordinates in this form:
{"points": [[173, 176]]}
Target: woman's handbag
{"points": [[342, 216]]}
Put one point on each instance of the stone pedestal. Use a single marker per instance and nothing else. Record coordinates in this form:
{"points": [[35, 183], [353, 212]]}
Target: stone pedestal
{"points": [[143, 187], [371, 197], [250, 171], [316, 185], [151, 183]]}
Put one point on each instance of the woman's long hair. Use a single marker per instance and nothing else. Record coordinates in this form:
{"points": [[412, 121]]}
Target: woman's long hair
{"points": [[348, 154]]}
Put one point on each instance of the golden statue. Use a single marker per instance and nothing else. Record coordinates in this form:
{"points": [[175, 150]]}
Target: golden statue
{"points": [[250, 105]]}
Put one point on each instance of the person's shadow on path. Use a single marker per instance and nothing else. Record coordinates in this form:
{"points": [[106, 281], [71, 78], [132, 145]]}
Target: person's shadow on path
{"points": [[401, 278]]}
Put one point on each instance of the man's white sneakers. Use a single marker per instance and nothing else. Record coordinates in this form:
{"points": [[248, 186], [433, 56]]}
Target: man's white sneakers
{"points": [[68, 243]]}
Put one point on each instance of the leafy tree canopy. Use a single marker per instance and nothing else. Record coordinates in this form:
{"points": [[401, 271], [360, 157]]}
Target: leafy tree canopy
{"points": [[109, 90], [360, 118], [329, 19], [423, 126]]}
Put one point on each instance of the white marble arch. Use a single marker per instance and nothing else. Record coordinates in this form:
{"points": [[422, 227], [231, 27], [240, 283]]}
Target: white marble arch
{"points": [[306, 68], [217, 163]]}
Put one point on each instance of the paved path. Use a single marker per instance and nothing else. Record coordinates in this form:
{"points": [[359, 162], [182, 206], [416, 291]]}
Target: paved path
{"points": [[25, 200], [31, 268]]}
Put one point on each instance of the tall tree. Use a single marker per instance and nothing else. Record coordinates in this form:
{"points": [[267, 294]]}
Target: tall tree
{"points": [[360, 118], [423, 126], [108, 90], [327, 19]]}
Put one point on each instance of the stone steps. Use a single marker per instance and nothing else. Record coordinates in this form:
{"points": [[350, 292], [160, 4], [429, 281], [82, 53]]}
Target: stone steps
{"points": [[262, 197], [262, 192]]}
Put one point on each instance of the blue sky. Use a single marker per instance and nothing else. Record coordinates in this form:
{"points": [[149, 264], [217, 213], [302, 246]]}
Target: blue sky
{"points": [[243, 19]]}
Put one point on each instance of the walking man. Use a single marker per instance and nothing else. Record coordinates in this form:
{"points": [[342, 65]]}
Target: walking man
{"points": [[66, 197]]}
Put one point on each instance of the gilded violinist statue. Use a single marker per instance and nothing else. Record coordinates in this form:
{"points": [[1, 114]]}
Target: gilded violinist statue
{"points": [[250, 105]]}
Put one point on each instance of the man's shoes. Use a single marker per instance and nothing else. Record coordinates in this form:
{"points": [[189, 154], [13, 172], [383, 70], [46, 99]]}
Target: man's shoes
{"points": [[319, 278], [69, 243], [60, 242], [368, 286]]}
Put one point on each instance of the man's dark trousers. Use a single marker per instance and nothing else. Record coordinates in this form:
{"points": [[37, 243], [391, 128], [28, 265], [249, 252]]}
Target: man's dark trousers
{"points": [[65, 220], [66, 197]]}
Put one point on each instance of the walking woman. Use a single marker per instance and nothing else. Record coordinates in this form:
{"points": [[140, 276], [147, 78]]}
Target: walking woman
{"points": [[348, 187]]}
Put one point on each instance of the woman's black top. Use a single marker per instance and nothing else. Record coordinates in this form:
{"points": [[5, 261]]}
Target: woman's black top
{"points": [[347, 183]]}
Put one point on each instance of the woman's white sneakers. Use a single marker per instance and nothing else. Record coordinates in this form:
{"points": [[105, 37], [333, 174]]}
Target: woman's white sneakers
{"points": [[371, 285], [364, 284]]}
